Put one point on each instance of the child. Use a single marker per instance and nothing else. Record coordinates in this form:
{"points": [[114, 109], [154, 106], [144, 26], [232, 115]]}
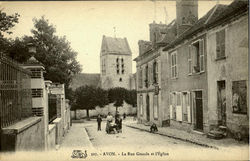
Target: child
{"points": [[153, 128], [99, 121]]}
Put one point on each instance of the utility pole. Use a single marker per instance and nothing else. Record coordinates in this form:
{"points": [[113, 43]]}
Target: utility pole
{"points": [[166, 15]]}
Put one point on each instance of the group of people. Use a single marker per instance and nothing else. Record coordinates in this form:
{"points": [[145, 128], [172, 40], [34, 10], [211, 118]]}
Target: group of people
{"points": [[111, 126]]}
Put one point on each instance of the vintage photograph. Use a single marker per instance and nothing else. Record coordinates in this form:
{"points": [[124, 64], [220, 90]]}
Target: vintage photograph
{"points": [[124, 80]]}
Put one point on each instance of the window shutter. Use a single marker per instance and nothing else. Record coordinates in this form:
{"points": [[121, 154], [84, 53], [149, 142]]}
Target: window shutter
{"points": [[171, 105], [201, 48], [194, 58], [189, 59]]}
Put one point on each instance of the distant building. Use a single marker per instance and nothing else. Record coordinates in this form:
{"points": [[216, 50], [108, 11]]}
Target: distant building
{"points": [[115, 63], [82, 79], [115, 67]]}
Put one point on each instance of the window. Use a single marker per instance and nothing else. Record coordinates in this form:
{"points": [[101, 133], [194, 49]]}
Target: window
{"points": [[198, 50], [174, 65], [117, 66], [123, 70], [140, 83], [189, 60], [37, 93], [103, 67], [141, 105], [36, 73], [155, 106], [120, 79], [220, 44], [239, 97], [146, 76], [155, 72]]}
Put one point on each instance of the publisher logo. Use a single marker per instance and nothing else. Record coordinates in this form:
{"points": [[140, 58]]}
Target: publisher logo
{"points": [[79, 154]]}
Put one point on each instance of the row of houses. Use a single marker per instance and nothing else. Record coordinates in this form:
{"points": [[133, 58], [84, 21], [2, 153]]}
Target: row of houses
{"points": [[193, 73], [34, 112]]}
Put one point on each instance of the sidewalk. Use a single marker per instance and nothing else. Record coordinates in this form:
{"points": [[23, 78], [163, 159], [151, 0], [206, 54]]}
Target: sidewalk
{"points": [[76, 138], [198, 139]]}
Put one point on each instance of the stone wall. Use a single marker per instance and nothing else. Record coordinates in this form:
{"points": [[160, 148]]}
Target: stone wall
{"points": [[24, 135], [128, 109], [59, 130], [52, 137]]}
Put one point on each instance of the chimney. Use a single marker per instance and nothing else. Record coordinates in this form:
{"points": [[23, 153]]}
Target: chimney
{"points": [[186, 14]]}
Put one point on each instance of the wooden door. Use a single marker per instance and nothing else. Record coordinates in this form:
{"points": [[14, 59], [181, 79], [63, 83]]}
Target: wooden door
{"points": [[199, 110]]}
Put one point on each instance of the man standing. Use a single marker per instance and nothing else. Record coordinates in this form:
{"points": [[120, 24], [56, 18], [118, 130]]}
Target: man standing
{"points": [[99, 121]]}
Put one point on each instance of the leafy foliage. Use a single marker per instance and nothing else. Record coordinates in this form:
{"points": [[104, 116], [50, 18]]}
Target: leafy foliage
{"points": [[7, 22], [54, 52], [88, 97]]}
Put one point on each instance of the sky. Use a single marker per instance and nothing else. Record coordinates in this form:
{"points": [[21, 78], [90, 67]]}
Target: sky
{"points": [[85, 22]]}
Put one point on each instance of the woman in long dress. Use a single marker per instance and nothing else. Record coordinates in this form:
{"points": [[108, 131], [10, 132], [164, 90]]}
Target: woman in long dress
{"points": [[109, 121]]}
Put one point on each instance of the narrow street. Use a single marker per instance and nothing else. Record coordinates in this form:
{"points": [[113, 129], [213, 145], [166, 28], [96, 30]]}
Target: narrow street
{"points": [[133, 144], [132, 139]]}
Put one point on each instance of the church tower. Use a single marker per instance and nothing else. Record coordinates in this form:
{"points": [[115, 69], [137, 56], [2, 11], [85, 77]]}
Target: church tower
{"points": [[186, 14], [116, 63]]}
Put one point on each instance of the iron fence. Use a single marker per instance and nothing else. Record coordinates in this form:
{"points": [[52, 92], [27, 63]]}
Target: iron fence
{"points": [[15, 92], [52, 107]]}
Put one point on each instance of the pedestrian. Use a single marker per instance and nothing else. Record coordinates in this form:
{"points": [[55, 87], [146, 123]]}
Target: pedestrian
{"points": [[109, 121], [99, 121], [118, 124], [153, 128]]}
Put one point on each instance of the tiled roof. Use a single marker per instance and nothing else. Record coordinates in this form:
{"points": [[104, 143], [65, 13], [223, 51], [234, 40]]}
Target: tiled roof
{"points": [[216, 15], [117, 45], [83, 79], [170, 32]]}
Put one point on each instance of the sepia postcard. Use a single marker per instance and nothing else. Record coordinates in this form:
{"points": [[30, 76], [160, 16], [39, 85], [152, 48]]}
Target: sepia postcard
{"points": [[124, 80]]}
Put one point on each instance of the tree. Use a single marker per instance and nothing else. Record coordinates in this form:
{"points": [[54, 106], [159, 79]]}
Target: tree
{"points": [[6, 23], [117, 96], [131, 97], [54, 52], [88, 97]]}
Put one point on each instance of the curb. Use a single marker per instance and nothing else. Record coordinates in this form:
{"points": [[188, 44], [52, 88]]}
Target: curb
{"points": [[88, 139], [177, 138]]}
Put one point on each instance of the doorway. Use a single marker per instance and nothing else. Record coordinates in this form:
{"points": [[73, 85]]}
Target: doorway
{"points": [[221, 102], [147, 108], [199, 110]]}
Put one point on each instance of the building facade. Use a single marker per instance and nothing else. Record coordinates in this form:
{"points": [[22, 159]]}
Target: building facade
{"points": [[227, 63], [116, 63], [203, 71], [150, 105], [207, 80]]}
